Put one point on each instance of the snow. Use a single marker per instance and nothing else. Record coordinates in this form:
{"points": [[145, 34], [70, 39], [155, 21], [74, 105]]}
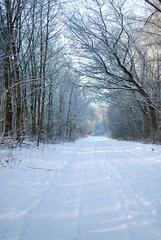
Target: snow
{"points": [[95, 188]]}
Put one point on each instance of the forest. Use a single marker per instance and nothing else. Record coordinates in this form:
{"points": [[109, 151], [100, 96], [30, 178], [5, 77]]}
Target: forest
{"points": [[62, 63]]}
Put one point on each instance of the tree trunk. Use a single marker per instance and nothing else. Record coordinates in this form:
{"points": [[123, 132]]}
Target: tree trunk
{"points": [[7, 126], [18, 94], [43, 61]]}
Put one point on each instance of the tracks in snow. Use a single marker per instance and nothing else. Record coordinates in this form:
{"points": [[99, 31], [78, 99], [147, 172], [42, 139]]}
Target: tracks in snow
{"points": [[101, 193]]}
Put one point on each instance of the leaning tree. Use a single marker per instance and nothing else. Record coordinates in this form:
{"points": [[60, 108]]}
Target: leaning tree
{"points": [[109, 50]]}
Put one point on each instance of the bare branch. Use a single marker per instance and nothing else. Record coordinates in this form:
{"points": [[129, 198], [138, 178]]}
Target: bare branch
{"points": [[153, 5]]}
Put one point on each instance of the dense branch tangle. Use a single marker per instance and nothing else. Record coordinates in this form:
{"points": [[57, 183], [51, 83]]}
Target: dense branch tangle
{"points": [[109, 51], [35, 73]]}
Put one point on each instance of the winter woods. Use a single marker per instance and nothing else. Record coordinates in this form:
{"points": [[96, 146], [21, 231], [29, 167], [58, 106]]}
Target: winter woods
{"points": [[53, 52], [120, 53], [38, 94]]}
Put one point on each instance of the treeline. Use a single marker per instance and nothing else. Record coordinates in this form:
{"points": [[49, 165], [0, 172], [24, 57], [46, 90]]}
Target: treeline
{"points": [[120, 55], [131, 115], [53, 52], [40, 94]]}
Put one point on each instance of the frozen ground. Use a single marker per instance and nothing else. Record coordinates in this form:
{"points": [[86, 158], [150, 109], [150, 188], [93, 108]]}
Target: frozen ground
{"points": [[93, 189]]}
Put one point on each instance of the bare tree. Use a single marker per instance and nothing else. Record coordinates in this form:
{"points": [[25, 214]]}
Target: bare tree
{"points": [[38, 93], [108, 51], [11, 17]]}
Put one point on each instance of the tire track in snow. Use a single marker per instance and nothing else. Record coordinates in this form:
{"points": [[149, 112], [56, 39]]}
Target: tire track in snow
{"points": [[113, 178], [64, 179], [93, 197], [137, 184], [136, 210], [100, 213]]}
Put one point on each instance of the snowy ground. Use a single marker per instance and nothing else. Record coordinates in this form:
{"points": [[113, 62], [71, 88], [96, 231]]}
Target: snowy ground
{"points": [[93, 189]]}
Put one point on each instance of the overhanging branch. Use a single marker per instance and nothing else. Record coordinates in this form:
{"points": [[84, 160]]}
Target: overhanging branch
{"points": [[153, 5]]}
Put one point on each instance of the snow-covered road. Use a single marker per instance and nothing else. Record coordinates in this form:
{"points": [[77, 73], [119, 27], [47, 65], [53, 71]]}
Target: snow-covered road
{"points": [[93, 189]]}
